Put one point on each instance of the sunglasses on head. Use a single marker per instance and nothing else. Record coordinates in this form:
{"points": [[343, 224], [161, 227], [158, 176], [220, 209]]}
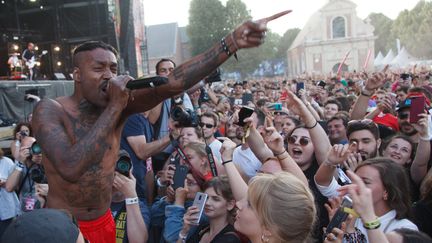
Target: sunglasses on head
{"points": [[302, 141], [202, 124]]}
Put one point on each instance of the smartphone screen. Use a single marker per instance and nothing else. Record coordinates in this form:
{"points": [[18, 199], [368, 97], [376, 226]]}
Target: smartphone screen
{"points": [[299, 87], [199, 202], [417, 107], [180, 176], [340, 216], [244, 113]]}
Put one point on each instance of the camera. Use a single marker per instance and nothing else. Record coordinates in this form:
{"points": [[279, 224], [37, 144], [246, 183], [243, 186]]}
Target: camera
{"points": [[23, 133], [124, 163], [215, 76], [35, 149], [185, 117], [37, 174]]}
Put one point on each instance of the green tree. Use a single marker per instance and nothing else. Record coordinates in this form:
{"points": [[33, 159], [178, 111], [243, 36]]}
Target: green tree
{"points": [[382, 25], [285, 42], [236, 13], [206, 24], [414, 29]]}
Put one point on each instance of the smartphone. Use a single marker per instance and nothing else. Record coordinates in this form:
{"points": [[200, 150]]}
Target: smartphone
{"points": [[275, 106], [340, 216], [199, 202], [180, 176], [150, 82], [417, 107], [244, 113], [299, 87]]}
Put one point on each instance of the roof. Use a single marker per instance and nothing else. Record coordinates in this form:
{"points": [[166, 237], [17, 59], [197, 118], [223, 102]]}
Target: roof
{"points": [[161, 40]]}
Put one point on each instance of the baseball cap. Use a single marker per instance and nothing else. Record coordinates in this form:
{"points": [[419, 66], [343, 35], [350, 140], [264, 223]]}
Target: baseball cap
{"points": [[42, 225], [404, 104]]}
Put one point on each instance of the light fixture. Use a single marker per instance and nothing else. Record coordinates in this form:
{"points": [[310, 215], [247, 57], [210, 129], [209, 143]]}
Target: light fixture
{"points": [[59, 63], [32, 1], [57, 48], [36, 48], [41, 7], [15, 47], [38, 64]]}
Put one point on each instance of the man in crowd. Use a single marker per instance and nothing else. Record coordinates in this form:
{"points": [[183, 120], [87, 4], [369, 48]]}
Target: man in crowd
{"points": [[337, 129], [209, 124], [80, 134]]}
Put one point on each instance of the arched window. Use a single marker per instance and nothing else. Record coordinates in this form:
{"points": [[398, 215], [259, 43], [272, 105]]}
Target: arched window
{"points": [[338, 27]]}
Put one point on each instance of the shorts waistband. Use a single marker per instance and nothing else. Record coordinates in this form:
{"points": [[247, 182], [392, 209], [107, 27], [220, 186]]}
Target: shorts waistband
{"points": [[96, 223]]}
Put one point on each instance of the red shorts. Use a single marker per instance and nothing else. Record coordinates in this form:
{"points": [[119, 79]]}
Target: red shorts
{"points": [[101, 230]]}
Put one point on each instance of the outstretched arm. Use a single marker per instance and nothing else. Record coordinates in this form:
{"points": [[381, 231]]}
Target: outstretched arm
{"points": [[249, 34]]}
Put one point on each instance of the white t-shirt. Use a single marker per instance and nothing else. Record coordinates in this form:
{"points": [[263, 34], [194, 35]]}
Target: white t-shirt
{"points": [[215, 148], [388, 221], [9, 203], [247, 161]]}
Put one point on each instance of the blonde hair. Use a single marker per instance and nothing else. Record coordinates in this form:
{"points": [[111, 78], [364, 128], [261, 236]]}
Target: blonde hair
{"points": [[284, 205]]}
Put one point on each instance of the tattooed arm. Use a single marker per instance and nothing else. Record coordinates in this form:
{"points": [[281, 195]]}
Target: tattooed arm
{"points": [[249, 34]]}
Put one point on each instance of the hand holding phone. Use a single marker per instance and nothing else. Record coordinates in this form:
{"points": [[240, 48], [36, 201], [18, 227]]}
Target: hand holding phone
{"points": [[244, 113], [299, 87], [340, 216], [199, 202], [275, 106], [417, 107], [179, 176]]}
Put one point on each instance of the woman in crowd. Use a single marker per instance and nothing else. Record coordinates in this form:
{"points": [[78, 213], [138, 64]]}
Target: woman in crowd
{"points": [[273, 208], [390, 193], [220, 211], [21, 130], [190, 134]]}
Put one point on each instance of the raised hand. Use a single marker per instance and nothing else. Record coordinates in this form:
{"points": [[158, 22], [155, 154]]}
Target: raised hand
{"points": [[377, 80], [352, 161], [422, 126], [274, 140], [339, 153], [227, 148], [252, 33], [181, 194]]}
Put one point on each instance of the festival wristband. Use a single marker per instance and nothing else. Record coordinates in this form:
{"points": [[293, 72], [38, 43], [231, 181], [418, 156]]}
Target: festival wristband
{"points": [[130, 201], [19, 166], [374, 224]]}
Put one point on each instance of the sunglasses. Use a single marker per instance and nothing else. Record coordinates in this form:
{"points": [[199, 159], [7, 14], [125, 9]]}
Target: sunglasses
{"points": [[302, 140], [202, 124], [403, 115]]}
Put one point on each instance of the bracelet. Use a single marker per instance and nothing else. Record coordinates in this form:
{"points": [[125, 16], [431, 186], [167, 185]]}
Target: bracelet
{"points": [[316, 123], [226, 49], [427, 139], [226, 162], [235, 45], [327, 163], [374, 224], [19, 166], [130, 201], [159, 183], [279, 153], [182, 237], [280, 159]]}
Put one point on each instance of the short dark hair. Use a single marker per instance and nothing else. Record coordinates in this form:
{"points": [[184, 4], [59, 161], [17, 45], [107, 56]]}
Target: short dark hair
{"points": [[403, 89], [90, 46], [365, 124], [161, 61], [340, 116], [213, 116], [334, 101]]}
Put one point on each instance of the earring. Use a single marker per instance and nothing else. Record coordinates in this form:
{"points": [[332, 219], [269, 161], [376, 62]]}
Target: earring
{"points": [[264, 238], [385, 197]]}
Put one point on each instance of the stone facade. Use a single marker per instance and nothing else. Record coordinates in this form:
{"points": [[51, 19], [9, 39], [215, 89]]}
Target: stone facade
{"points": [[326, 38]]}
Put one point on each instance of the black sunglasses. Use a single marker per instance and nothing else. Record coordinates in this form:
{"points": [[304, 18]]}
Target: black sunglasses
{"points": [[303, 141], [202, 124]]}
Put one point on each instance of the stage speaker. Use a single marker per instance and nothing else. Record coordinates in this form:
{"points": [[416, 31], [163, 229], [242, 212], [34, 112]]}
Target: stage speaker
{"points": [[59, 76]]}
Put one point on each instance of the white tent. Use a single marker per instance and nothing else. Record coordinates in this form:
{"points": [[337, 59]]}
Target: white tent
{"points": [[388, 58], [403, 59], [378, 59]]}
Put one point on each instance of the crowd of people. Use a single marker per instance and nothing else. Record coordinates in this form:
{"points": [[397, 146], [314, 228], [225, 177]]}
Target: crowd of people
{"points": [[309, 150]]}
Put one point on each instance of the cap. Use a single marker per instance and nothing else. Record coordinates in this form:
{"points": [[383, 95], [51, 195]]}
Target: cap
{"points": [[404, 104], [42, 225]]}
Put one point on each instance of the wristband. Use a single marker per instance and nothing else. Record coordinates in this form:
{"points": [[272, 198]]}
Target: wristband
{"points": [[329, 164], [374, 224], [316, 123], [226, 162], [279, 153], [427, 139], [159, 183], [182, 237], [130, 201], [19, 166]]}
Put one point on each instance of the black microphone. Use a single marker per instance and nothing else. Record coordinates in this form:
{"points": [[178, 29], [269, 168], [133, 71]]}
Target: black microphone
{"points": [[144, 83]]}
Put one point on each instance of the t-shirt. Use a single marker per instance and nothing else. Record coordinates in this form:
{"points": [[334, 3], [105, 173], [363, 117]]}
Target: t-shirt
{"points": [[9, 204], [247, 161], [137, 125], [226, 235], [118, 210], [215, 148]]}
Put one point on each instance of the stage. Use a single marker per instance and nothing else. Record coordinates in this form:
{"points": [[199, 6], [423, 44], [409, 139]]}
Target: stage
{"points": [[12, 93]]}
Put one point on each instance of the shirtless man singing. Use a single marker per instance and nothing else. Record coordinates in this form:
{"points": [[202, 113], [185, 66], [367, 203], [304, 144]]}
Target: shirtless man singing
{"points": [[80, 134]]}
